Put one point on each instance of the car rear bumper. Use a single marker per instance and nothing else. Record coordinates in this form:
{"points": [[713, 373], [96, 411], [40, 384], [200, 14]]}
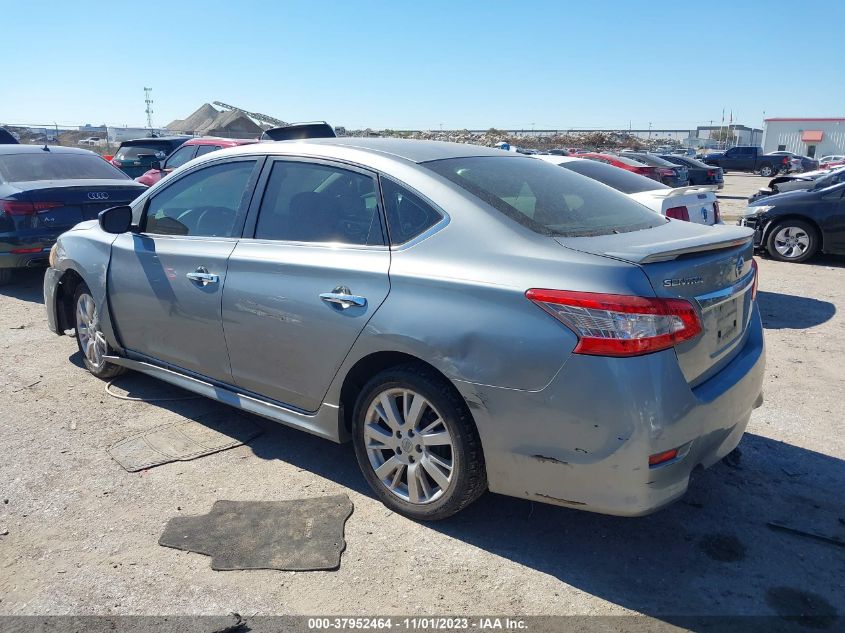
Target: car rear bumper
{"points": [[34, 259], [584, 440]]}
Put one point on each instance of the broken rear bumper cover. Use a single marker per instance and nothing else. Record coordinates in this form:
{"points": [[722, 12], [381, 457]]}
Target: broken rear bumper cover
{"points": [[571, 445]]}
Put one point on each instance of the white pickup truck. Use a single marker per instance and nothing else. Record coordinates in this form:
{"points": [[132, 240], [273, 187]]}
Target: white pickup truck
{"points": [[696, 203]]}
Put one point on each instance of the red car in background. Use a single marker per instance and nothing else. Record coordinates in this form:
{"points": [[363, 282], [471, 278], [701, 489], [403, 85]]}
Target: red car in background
{"points": [[628, 164], [188, 150]]}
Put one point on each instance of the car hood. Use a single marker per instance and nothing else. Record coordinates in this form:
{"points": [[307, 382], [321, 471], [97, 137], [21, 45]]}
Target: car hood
{"points": [[662, 243], [787, 197]]}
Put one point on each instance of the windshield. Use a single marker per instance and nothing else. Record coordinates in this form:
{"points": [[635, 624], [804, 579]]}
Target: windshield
{"points": [[620, 179], [545, 198], [55, 166]]}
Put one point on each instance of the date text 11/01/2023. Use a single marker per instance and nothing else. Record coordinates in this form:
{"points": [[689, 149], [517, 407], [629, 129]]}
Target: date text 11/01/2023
{"points": [[419, 624]]}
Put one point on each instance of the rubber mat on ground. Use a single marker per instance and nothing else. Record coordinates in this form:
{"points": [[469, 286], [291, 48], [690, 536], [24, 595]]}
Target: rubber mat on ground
{"points": [[297, 535], [184, 440]]}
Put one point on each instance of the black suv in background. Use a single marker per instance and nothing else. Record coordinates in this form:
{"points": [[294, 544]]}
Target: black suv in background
{"points": [[135, 157]]}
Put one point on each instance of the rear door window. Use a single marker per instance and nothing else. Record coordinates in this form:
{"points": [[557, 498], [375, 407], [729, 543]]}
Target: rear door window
{"points": [[315, 202], [545, 198]]}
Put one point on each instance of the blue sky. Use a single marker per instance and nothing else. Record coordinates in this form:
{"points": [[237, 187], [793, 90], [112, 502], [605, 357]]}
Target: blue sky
{"points": [[405, 65]]}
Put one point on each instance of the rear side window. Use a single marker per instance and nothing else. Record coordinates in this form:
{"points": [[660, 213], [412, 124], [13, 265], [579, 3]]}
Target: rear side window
{"points": [[407, 214], [203, 203], [545, 198], [312, 202], [56, 166], [616, 177]]}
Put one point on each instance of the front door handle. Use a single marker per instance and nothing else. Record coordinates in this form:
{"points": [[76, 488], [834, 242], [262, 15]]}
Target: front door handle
{"points": [[202, 276], [343, 298]]}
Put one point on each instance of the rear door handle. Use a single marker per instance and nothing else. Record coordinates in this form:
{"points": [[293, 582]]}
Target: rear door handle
{"points": [[343, 298], [202, 276]]}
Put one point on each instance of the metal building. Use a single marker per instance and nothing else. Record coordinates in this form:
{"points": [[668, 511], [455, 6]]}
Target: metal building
{"points": [[808, 137]]}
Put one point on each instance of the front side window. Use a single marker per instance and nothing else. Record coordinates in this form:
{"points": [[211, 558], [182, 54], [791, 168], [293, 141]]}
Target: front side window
{"points": [[407, 214], [545, 198], [207, 149], [203, 203], [180, 157], [312, 202]]}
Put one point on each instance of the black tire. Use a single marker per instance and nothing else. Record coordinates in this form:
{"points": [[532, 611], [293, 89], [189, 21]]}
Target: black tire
{"points": [[799, 228], [5, 276], [767, 171], [105, 369], [468, 475]]}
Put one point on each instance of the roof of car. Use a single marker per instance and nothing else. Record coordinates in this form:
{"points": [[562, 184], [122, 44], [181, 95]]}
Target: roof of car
{"points": [[153, 139], [35, 149], [214, 140], [412, 150]]}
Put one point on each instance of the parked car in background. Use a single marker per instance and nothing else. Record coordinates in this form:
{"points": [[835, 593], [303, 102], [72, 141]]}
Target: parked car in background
{"points": [[558, 152], [45, 191], [750, 159], [699, 173], [671, 174], [7, 138], [137, 156], [832, 160], [90, 141], [628, 164], [188, 151], [691, 204], [365, 285], [795, 225], [797, 162], [809, 181]]}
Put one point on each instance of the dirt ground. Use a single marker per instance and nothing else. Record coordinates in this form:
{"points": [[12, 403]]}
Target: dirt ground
{"points": [[80, 535], [733, 198]]}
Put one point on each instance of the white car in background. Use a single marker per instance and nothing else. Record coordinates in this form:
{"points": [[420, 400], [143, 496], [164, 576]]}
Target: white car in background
{"points": [[696, 203]]}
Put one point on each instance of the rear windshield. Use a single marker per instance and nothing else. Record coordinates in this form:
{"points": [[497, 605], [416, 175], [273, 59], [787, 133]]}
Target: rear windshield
{"points": [[133, 152], [616, 177], [651, 159], [55, 166], [545, 198]]}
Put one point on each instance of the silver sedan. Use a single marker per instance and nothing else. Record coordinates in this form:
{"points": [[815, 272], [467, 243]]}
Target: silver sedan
{"points": [[470, 319]]}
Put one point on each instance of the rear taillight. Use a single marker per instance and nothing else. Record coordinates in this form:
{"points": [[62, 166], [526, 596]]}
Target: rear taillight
{"points": [[678, 213], [116, 162], [24, 207], [619, 325], [717, 214], [665, 171], [711, 173], [785, 160], [756, 270]]}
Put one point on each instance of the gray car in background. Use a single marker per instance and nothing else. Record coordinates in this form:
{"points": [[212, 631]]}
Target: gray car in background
{"points": [[471, 319]]}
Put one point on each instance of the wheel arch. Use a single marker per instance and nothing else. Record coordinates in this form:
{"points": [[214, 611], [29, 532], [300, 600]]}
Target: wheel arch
{"points": [[367, 367], [68, 283]]}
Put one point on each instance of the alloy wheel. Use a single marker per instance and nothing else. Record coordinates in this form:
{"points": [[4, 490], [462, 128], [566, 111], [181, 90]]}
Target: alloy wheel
{"points": [[409, 446], [791, 242], [91, 339]]}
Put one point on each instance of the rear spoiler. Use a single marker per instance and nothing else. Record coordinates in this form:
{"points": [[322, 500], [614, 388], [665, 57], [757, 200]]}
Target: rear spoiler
{"points": [[682, 191]]}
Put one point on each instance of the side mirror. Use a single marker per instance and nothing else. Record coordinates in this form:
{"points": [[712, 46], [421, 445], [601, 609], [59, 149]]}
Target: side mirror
{"points": [[156, 164], [116, 220]]}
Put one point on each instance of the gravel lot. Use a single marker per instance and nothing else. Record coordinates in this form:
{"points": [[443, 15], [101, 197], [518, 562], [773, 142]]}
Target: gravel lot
{"points": [[79, 534], [733, 198]]}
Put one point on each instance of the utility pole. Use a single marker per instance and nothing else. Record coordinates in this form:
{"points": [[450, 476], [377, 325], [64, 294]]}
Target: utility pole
{"points": [[149, 109]]}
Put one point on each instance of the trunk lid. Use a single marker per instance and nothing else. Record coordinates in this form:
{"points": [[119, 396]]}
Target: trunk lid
{"points": [[708, 266], [81, 199]]}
